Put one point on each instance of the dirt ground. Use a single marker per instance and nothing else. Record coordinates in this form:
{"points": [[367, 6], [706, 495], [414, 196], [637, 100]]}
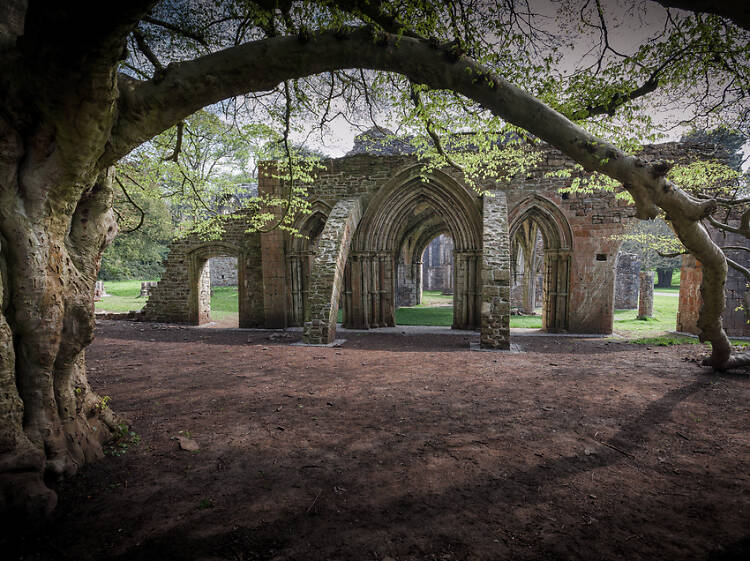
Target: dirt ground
{"points": [[404, 448]]}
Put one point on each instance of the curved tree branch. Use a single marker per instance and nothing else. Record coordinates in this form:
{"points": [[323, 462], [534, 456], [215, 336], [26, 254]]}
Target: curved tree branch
{"points": [[132, 202], [738, 12], [147, 108]]}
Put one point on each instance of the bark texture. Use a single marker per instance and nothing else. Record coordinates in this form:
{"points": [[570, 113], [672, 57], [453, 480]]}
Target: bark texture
{"points": [[55, 221]]}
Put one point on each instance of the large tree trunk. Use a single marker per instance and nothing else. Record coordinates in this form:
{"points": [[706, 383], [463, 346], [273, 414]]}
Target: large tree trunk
{"points": [[664, 277], [52, 422], [59, 92]]}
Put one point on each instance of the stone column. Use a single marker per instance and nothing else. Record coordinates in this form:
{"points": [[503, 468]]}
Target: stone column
{"points": [[626, 281], [495, 332], [250, 283], [646, 296], [327, 273]]}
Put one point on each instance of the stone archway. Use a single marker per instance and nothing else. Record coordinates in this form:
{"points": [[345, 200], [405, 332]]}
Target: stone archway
{"points": [[410, 203], [300, 254], [556, 233]]}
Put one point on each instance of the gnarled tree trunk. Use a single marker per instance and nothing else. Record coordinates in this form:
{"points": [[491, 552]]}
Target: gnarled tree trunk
{"points": [[58, 88], [52, 422]]}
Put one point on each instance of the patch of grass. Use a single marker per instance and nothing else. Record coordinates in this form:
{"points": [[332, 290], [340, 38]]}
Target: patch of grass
{"points": [[674, 339], [664, 318], [665, 340], [418, 315], [123, 296], [224, 303], [528, 322], [204, 504], [122, 439]]}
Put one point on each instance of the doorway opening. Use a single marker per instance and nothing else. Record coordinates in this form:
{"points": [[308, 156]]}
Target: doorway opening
{"points": [[223, 305], [425, 285]]}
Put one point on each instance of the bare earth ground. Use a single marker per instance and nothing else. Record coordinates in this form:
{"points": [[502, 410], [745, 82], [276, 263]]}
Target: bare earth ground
{"points": [[408, 448]]}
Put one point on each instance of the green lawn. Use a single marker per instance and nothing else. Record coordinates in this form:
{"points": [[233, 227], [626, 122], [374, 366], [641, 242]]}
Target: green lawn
{"points": [[224, 303], [436, 309], [123, 297], [418, 315], [529, 322], [665, 318]]}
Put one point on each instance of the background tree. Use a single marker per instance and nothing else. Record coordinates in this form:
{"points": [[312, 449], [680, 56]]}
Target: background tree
{"points": [[651, 241], [81, 89]]}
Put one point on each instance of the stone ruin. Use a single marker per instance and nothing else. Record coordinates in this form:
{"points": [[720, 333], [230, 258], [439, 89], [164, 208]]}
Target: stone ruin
{"points": [[361, 247], [736, 317], [437, 265], [627, 281]]}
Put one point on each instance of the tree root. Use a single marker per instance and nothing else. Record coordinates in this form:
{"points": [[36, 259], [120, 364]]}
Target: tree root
{"points": [[735, 361]]}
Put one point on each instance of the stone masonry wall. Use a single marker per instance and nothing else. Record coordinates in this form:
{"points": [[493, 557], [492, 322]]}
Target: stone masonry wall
{"points": [[181, 294], [735, 316], [626, 281], [223, 271], [495, 333], [326, 276]]}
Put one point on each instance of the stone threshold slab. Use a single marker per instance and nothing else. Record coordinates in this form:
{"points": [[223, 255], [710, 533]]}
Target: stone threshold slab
{"points": [[336, 343], [514, 349]]}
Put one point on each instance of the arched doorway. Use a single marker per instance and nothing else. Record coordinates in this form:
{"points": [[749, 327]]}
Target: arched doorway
{"points": [[533, 220], [301, 251], [424, 274], [409, 211]]}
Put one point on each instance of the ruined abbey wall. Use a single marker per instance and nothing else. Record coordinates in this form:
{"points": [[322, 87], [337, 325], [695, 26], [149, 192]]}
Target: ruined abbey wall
{"points": [[360, 250]]}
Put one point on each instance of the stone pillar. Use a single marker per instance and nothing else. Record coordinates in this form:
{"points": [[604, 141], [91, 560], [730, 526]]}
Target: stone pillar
{"points": [[146, 288], [626, 281], [407, 284], [99, 292], [357, 316], [250, 283], [417, 272], [203, 271], [646, 296], [689, 307], [495, 332], [274, 262], [327, 272]]}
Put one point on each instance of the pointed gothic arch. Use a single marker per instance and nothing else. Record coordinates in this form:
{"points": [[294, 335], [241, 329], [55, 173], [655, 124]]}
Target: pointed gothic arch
{"points": [[300, 253], [410, 198], [558, 247]]}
